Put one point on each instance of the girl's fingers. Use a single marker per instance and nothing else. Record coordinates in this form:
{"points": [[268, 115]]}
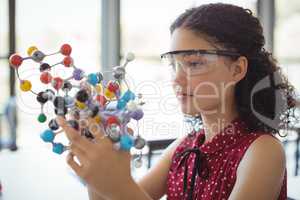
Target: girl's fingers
{"points": [[73, 164], [81, 155], [73, 135]]}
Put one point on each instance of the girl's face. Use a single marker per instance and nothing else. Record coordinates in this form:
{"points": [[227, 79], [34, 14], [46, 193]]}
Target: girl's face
{"points": [[203, 83]]}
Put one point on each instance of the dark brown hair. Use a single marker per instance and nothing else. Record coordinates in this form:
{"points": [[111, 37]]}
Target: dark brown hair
{"points": [[235, 28]]}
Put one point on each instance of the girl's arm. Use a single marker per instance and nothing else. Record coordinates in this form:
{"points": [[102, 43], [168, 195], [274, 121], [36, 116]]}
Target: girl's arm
{"points": [[130, 191], [94, 196], [261, 171], [154, 182]]}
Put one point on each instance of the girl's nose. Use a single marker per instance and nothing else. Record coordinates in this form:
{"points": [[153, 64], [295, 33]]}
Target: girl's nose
{"points": [[180, 78]]}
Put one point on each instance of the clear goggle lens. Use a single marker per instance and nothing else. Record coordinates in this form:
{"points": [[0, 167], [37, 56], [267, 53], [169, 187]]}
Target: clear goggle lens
{"points": [[192, 64]]}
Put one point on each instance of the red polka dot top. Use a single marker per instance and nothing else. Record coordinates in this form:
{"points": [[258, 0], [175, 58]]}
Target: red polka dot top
{"points": [[208, 170]]}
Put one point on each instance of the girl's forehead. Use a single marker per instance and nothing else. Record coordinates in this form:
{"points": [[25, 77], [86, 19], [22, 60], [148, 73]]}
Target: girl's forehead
{"points": [[184, 39]]}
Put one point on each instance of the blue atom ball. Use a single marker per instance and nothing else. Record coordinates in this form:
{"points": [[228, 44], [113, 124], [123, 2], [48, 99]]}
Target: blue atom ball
{"points": [[128, 95], [69, 101], [126, 142], [93, 79], [47, 136], [58, 148], [121, 104]]}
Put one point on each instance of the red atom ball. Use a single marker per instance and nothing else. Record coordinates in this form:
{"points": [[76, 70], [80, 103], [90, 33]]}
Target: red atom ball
{"points": [[46, 77], [112, 120], [101, 99], [15, 60], [65, 49], [113, 87], [57, 83], [68, 61]]}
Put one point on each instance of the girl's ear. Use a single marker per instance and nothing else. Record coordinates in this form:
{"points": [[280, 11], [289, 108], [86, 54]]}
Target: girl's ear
{"points": [[239, 68]]}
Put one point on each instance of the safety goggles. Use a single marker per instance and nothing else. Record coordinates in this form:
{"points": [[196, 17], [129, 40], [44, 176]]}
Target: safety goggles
{"points": [[194, 62]]}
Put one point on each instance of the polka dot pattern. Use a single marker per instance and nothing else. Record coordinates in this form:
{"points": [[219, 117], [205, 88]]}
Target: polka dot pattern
{"points": [[223, 154]]}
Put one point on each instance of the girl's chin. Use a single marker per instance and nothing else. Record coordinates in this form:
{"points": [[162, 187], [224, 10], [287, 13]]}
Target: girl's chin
{"points": [[189, 110], [192, 110]]}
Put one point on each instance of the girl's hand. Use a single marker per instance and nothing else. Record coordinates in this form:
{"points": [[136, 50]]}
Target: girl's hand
{"points": [[105, 169]]}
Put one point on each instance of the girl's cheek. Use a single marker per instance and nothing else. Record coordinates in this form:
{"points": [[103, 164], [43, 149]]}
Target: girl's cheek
{"points": [[205, 88]]}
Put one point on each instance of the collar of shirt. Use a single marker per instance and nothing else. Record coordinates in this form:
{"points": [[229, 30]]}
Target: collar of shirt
{"points": [[226, 138]]}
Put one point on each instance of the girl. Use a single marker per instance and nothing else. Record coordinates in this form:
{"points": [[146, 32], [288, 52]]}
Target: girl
{"points": [[224, 77]]}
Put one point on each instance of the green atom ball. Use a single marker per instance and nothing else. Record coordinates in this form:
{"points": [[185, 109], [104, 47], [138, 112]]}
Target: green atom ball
{"points": [[42, 118]]}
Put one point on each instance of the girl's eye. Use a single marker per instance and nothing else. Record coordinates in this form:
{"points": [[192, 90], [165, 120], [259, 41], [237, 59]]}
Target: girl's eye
{"points": [[195, 64]]}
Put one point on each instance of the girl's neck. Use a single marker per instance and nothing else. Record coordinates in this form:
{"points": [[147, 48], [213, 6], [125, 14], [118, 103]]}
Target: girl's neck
{"points": [[215, 123]]}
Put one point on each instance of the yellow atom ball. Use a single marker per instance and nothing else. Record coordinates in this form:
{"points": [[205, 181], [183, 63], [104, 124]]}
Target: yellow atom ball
{"points": [[97, 119], [108, 94], [31, 49], [80, 105], [98, 88], [25, 85]]}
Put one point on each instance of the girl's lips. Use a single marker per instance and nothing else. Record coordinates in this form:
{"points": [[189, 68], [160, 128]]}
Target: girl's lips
{"points": [[183, 96]]}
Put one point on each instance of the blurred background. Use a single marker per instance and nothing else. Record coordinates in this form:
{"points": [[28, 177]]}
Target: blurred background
{"points": [[101, 32]]}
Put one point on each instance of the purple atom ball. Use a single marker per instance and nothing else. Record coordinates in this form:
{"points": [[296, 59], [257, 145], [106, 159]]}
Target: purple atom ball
{"points": [[78, 74], [137, 114]]}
